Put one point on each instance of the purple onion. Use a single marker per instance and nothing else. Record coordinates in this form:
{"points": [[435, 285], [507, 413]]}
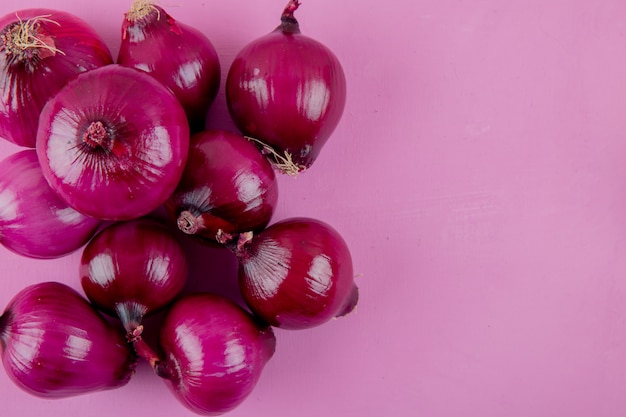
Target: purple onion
{"points": [[214, 353], [132, 269], [287, 91], [40, 51], [179, 56], [296, 274], [55, 344], [113, 143], [34, 221], [227, 188]]}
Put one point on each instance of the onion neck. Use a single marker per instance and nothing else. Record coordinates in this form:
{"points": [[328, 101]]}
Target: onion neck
{"points": [[142, 349], [288, 23]]}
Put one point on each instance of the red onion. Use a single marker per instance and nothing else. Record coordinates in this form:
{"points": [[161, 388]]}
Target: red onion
{"points": [[34, 221], [113, 143], [214, 352], [178, 55], [133, 269], [40, 51], [287, 91], [227, 187], [296, 274], [54, 344]]}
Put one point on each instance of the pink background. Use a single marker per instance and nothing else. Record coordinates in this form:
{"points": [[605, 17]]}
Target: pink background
{"points": [[478, 176]]}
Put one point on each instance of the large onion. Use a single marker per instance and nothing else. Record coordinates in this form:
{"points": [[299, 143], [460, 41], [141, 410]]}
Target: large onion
{"points": [[113, 143]]}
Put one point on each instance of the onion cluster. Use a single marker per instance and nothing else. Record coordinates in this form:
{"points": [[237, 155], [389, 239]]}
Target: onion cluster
{"points": [[123, 163]]}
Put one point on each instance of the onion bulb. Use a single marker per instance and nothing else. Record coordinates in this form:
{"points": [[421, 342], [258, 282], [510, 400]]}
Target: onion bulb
{"points": [[296, 274], [113, 143], [40, 51], [55, 344], [287, 91], [34, 221], [214, 352], [181, 57]]}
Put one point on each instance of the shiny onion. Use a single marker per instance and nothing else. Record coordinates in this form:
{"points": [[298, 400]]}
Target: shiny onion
{"points": [[228, 187], [178, 55], [296, 274], [287, 91], [132, 269], [214, 353], [55, 344], [40, 51], [113, 143], [34, 221]]}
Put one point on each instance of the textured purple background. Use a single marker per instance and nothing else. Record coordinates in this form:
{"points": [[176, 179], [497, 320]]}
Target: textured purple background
{"points": [[478, 176]]}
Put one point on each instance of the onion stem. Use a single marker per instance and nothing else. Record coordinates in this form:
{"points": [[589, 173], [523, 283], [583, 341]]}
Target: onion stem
{"points": [[142, 349]]}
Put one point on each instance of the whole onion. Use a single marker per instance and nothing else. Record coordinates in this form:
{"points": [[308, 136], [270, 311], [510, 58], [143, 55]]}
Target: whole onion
{"points": [[288, 92], [132, 269], [214, 352], [228, 187], [55, 344], [296, 274], [40, 51], [178, 55], [34, 221], [113, 143]]}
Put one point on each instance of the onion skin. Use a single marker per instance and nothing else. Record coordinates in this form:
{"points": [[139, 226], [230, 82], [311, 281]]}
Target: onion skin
{"points": [[178, 55], [28, 79], [34, 221], [113, 143], [132, 269], [56, 345], [215, 353], [227, 187], [296, 274], [288, 91]]}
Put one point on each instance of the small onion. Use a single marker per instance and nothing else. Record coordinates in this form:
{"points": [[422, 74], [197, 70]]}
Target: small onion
{"points": [[228, 187], [179, 56], [34, 221], [113, 143], [40, 51], [288, 91], [132, 269], [55, 344], [214, 352], [296, 274]]}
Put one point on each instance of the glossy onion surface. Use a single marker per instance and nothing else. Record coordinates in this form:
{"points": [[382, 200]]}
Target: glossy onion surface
{"points": [[34, 221], [178, 55], [227, 186], [297, 274], [113, 143], [215, 352], [131, 269], [57, 48], [288, 91], [55, 344]]}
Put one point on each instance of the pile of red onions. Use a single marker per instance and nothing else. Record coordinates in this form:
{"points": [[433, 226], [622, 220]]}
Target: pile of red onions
{"points": [[125, 166]]}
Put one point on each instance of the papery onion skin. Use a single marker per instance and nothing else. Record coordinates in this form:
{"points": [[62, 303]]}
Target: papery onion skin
{"points": [[228, 186], [288, 91], [297, 274], [214, 352], [27, 82], [56, 345], [113, 143], [132, 269], [178, 55], [34, 221]]}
